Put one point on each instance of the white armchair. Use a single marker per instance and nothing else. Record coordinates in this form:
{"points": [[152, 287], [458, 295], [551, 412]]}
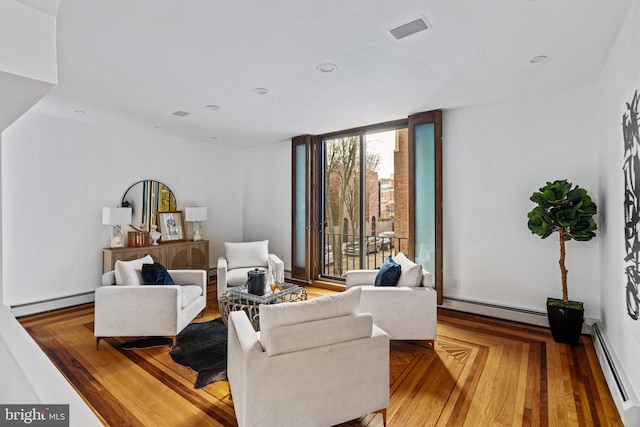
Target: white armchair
{"points": [[315, 363], [407, 311], [137, 310], [242, 257]]}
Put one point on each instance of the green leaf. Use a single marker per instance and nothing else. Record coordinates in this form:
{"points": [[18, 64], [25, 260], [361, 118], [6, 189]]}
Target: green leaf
{"points": [[561, 207]]}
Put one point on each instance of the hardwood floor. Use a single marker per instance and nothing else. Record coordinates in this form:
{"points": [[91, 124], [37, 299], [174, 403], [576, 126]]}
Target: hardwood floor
{"points": [[482, 372]]}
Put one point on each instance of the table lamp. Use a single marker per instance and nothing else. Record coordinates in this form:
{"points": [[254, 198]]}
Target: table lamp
{"points": [[116, 217], [195, 214]]}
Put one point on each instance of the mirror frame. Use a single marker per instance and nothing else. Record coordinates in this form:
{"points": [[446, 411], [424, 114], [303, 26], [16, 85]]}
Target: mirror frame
{"points": [[146, 200]]}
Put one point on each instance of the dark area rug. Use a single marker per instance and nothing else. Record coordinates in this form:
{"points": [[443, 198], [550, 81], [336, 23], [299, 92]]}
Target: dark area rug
{"points": [[200, 346], [203, 348]]}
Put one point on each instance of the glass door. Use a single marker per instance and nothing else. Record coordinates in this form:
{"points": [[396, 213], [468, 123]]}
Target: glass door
{"points": [[359, 199]]}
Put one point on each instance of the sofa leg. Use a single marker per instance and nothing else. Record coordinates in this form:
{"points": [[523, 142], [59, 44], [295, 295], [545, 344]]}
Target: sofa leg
{"points": [[98, 343], [384, 416], [173, 341]]}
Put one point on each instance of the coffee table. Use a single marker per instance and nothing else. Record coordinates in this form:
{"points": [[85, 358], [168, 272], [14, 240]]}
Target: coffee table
{"points": [[239, 298]]}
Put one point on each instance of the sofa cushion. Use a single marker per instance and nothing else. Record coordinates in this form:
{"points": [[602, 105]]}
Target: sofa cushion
{"points": [[388, 274], [411, 273], [247, 254], [156, 274], [188, 294], [129, 273], [288, 313]]}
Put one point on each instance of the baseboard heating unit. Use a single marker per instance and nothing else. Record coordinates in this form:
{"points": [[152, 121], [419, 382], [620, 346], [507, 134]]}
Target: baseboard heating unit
{"points": [[51, 304], [522, 315], [619, 385]]}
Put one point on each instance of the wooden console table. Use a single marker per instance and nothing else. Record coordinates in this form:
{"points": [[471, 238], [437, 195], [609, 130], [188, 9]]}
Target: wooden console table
{"points": [[184, 255]]}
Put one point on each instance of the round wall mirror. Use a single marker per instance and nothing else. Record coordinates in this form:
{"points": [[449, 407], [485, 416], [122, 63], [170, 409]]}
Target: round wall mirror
{"points": [[146, 199]]}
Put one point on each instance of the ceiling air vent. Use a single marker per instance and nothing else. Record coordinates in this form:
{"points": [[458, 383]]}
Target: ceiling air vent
{"points": [[410, 28]]}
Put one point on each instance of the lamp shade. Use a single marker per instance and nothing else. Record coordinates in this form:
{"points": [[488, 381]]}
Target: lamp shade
{"points": [[116, 216], [195, 213]]}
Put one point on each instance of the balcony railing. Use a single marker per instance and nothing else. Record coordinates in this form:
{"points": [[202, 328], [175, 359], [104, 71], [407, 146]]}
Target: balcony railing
{"points": [[335, 263]]}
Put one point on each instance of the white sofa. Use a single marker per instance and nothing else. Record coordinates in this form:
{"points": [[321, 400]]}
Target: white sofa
{"points": [[242, 257], [314, 363], [404, 312], [138, 310]]}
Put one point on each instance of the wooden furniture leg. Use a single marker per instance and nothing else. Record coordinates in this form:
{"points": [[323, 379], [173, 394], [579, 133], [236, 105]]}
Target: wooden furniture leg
{"points": [[384, 416]]}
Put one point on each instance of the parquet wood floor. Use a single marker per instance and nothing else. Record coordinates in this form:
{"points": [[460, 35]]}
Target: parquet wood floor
{"points": [[482, 372]]}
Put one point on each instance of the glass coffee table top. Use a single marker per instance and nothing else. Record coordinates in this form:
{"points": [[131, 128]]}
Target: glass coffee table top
{"points": [[239, 298], [242, 293]]}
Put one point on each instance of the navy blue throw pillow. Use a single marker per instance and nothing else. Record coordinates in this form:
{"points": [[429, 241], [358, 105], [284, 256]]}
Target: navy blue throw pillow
{"points": [[156, 274], [389, 273]]}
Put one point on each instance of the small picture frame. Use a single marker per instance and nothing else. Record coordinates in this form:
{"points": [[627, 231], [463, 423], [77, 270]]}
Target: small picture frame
{"points": [[171, 226]]}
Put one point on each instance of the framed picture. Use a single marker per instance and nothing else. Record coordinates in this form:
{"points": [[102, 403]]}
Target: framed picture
{"points": [[171, 226]]}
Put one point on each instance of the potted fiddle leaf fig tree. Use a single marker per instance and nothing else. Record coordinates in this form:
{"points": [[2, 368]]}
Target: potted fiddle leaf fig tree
{"points": [[568, 210]]}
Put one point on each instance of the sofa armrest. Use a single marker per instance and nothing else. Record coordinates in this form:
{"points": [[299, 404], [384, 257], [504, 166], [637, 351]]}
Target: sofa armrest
{"points": [[221, 273], [405, 313], [427, 279], [247, 336], [360, 277], [109, 278], [243, 347], [118, 294], [189, 277], [278, 265], [133, 310]]}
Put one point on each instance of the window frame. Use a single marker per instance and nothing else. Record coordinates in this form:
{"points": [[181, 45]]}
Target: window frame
{"points": [[313, 197]]}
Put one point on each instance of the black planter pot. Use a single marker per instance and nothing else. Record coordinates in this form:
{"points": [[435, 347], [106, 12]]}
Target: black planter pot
{"points": [[565, 321]]}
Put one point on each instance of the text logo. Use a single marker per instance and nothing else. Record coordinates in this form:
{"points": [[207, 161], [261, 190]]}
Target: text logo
{"points": [[34, 415]]}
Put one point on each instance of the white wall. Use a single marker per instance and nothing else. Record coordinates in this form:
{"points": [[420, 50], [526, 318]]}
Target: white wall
{"points": [[620, 75], [58, 173], [267, 197], [494, 157]]}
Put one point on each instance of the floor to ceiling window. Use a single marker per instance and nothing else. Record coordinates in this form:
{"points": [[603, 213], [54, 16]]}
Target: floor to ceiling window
{"points": [[359, 202], [364, 194]]}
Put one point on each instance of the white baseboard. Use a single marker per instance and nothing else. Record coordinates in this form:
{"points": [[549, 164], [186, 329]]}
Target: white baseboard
{"points": [[52, 304], [522, 315], [621, 390]]}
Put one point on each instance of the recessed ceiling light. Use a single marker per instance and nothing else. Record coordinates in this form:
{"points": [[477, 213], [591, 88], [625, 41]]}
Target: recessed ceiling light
{"points": [[409, 28], [538, 58], [181, 113], [157, 127], [260, 91], [79, 111], [213, 137], [212, 107], [327, 67]]}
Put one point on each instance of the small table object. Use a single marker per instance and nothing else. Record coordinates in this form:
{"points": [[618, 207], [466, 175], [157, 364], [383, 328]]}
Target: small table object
{"points": [[239, 298]]}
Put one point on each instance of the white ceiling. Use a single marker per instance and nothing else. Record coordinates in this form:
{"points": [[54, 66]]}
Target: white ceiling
{"points": [[145, 59]]}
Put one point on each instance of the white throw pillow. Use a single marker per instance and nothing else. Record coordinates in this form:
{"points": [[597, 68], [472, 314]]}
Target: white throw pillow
{"points": [[247, 254], [410, 272], [129, 273]]}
